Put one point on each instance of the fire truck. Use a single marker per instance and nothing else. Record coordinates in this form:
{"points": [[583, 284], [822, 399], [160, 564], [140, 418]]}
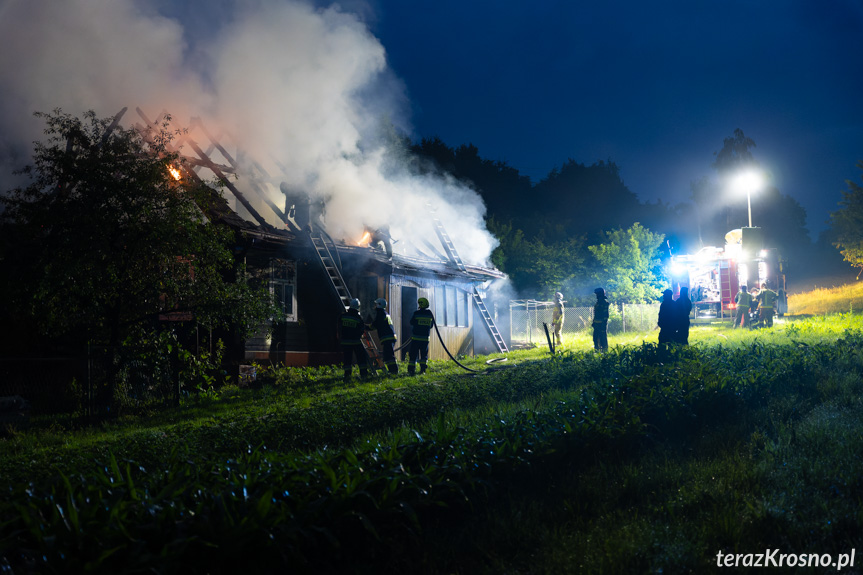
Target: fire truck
{"points": [[714, 275]]}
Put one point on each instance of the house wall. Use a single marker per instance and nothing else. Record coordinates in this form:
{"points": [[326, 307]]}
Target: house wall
{"points": [[311, 338], [458, 339]]}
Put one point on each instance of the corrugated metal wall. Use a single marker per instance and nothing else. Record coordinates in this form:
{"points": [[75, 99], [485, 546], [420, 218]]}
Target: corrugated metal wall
{"points": [[459, 340]]}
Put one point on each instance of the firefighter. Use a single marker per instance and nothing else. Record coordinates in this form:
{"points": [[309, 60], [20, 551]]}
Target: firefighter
{"points": [[422, 321], [754, 312], [766, 305], [682, 309], [743, 302], [665, 320], [600, 321], [383, 323], [351, 332], [557, 318], [381, 237]]}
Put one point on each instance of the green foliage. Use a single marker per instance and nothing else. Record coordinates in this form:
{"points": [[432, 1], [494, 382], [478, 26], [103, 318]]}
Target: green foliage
{"points": [[629, 266], [106, 239], [847, 222], [541, 265]]}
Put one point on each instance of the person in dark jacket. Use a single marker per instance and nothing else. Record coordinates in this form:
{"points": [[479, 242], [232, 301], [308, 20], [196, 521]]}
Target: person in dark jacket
{"points": [[351, 329], [767, 299], [682, 309], [422, 322], [600, 321], [665, 321], [383, 324]]}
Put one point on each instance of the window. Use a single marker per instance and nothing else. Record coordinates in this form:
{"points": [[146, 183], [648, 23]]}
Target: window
{"points": [[451, 306], [283, 283], [463, 308], [451, 314], [440, 305]]}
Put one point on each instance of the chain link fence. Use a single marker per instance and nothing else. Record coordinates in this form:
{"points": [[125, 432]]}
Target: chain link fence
{"points": [[527, 317]]}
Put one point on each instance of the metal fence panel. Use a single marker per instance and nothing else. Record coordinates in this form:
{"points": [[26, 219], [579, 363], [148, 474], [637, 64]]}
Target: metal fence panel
{"points": [[527, 317]]}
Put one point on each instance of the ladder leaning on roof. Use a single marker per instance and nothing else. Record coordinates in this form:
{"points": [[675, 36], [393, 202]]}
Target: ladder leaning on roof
{"points": [[452, 253], [489, 322], [328, 261]]}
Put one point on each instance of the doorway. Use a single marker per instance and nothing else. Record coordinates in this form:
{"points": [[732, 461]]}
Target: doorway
{"points": [[409, 306]]}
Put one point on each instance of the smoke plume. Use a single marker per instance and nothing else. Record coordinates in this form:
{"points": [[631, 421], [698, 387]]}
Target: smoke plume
{"points": [[303, 90]]}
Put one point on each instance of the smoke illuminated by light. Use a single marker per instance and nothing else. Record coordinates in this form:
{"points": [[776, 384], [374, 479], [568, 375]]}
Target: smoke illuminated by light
{"points": [[303, 91]]}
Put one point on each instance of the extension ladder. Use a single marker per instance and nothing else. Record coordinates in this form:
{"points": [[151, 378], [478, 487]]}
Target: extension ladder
{"points": [[325, 257]]}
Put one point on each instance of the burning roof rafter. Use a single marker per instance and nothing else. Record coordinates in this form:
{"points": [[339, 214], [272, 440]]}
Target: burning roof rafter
{"points": [[201, 159]]}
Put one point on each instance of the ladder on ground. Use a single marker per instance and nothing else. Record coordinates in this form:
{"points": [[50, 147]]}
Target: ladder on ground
{"points": [[489, 322], [452, 254], [328, 261]]}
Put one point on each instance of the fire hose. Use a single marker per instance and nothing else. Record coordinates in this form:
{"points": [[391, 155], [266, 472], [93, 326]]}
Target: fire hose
{"points": [[437, 331], [440, 338]]}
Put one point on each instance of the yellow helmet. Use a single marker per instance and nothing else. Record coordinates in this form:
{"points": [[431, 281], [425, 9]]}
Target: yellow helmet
{"points": [[423, 303]]}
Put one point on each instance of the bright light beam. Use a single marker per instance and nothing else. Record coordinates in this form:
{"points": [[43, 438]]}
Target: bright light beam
{"points": [[748, 181]]}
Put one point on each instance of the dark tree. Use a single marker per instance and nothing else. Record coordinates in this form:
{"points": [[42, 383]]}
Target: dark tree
{"points": [[501, 187], [105, 240], [847, 222], [585, 200]]}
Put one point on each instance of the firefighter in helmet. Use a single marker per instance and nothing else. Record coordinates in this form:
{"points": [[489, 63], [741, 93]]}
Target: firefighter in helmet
{"points": [[557, 317], [766, 305], [422, 321], [383, 324], [351, 332]]}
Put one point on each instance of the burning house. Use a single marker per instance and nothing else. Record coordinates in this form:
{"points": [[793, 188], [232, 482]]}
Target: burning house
{"points": [[286, 238]]}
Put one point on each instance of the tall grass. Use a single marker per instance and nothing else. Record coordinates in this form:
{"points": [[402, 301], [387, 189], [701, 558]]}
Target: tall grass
{"points": [[638, 460], [820, 301]]}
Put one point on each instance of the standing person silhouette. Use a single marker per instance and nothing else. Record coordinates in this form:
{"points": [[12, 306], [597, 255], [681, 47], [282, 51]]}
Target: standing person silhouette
{"points": [[665, 320], [682, 309], [600, 321]]}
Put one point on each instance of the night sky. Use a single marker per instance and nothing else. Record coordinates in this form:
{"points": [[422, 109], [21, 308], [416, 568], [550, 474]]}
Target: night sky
{"points": [[653, 86]]}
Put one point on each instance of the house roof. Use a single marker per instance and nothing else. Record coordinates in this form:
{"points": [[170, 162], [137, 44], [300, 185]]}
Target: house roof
{"points": [[423, 266], [256, 216]]}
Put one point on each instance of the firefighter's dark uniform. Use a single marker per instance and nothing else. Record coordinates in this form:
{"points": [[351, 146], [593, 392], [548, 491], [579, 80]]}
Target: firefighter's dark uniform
{"points": [[682, 309], [743, 301], [600, 323], [767, 302], [384, 326], [350, 334], [422, 321], [665, 320]]}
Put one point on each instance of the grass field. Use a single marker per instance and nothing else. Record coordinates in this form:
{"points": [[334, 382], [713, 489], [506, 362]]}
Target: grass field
{"points": [[838, 299], [640, 460]]}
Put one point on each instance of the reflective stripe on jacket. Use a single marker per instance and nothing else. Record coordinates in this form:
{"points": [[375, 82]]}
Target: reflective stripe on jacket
{"points": [[352, 327], [421, 322]]}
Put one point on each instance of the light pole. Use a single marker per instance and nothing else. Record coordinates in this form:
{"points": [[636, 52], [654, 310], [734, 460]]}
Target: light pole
{"points": [[748, 181]]}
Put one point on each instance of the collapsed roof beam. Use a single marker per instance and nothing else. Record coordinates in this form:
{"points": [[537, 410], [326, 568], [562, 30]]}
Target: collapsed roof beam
{"points": [[196, 122], [209, 164]]}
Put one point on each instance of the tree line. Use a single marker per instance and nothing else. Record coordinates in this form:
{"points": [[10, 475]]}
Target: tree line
{"points": [[581, 226]]}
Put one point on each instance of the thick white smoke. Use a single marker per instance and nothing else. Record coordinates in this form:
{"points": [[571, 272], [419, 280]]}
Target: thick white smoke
{"points": [[303, 86]]}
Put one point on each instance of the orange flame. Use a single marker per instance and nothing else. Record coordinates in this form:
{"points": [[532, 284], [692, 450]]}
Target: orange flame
{"points": [[174, 172], [366, 237]]}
